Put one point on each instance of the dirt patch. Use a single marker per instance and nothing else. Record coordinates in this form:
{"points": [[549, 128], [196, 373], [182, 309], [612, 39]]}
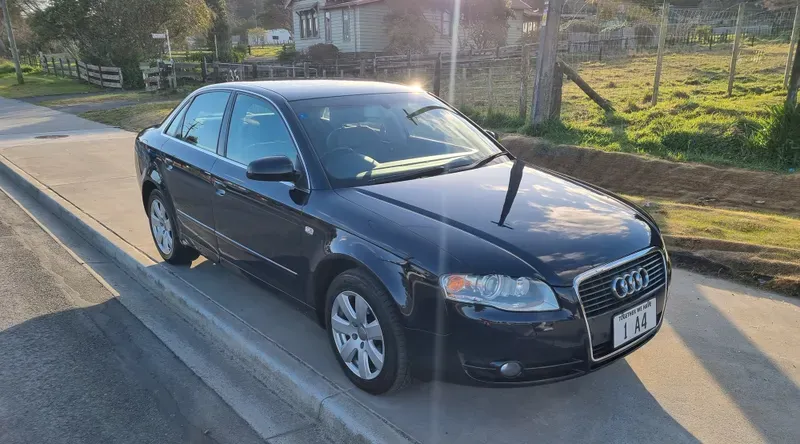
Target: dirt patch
{"points": [[680, 182]]}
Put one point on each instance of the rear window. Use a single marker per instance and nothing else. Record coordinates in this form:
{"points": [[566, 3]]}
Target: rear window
{"points": [[204, 119]]}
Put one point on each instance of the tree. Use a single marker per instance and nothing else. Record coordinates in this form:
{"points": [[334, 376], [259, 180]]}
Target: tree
{"points": [[275, 15], [485, 23], [407, 27], [220, 28], [118, 32]]}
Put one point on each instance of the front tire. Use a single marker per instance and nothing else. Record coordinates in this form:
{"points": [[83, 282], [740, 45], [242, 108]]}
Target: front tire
{"points": [[365, 333], [164, 228]]}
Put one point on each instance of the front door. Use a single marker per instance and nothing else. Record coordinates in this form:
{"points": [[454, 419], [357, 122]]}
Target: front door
{"points": [[260, 225], [189, 155]]}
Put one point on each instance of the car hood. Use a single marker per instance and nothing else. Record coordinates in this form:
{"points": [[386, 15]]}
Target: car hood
{"points": [[494, 217]]}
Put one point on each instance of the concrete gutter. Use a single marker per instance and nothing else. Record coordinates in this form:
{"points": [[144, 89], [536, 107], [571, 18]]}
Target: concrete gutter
{"points": [[342, 416]]}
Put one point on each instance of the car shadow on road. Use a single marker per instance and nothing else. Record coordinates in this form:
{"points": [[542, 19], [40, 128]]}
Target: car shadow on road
{"points": [[764, 393]]}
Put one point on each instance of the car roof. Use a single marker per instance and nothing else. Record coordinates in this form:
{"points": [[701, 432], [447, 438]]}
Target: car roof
{"points": [[293, 90]]}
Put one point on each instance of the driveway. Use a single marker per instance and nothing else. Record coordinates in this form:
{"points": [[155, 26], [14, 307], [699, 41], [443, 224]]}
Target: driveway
{"points": [[724, 368]]}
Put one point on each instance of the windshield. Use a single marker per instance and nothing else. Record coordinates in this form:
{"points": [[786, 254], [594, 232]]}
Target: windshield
{"points": [[378, 138]]}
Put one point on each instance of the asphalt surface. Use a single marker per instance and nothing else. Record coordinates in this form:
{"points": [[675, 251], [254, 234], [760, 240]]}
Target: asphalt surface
{"points": [[77, 367]]}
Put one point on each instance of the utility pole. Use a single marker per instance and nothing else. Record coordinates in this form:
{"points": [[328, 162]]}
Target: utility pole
{"points": [[541, 107], [662, 40], [12, 42], [792, 43], [737, 43]]}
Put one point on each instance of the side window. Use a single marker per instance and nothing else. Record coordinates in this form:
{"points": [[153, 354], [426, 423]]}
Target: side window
{"points": [[204, 119], [257, 130], [175, 127]]}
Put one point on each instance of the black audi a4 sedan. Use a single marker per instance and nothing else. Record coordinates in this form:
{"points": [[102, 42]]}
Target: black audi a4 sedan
{"points": [[419, 240]]}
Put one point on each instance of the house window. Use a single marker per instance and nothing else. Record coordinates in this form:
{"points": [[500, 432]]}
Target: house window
{"points": [[328, 31], [528, 27], [346, 25], [309, 27], [446, 24]]}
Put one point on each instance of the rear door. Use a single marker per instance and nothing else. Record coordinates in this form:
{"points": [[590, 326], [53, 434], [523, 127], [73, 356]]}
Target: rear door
{"points": [[260, 225], [189, 154]]}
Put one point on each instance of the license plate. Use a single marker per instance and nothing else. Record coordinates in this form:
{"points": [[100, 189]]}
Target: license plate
{"points": [[634, 322]]}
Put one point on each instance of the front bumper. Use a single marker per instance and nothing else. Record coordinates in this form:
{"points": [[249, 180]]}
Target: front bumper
{"points": [[550, 346]]}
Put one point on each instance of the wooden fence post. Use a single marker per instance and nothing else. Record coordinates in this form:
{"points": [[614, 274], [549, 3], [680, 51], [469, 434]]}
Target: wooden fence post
{"points": [[61, 64], [100, 70], [271, 72], [437, 76], [546, 65], [216, 72], [69, 66], [491, 90], [362, 69], [792, 42], [119, 72], [53, 61], [558, 85], [375, 65], [736, 46], [255, 71], [204, 70], [305, 70], [523, 81], [662, 39]]}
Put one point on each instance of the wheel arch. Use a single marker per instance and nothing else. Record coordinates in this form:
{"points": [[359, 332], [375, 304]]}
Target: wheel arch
{"points": [[388, 270]]}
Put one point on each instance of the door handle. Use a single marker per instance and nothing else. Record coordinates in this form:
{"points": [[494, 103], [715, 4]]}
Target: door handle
{"points": [[220, 188]]}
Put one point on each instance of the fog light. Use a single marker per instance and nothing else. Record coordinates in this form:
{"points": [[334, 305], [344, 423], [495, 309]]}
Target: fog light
{"points": [[511, 369]]}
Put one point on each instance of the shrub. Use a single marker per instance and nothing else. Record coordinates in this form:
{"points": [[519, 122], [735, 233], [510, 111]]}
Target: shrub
{"points": [[288, 54], [778, 138], [323, 52]]}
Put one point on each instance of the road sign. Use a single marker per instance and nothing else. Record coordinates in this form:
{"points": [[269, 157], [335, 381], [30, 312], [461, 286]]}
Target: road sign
{"points": [[159, 36]]}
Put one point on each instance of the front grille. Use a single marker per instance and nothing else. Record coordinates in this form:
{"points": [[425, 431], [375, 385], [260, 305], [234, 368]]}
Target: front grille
{"points": [[596, 295]]}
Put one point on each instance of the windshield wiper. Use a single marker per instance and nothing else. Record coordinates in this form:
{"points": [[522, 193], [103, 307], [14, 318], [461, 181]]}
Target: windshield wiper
{"points": [[427, 172], [485, 161]]}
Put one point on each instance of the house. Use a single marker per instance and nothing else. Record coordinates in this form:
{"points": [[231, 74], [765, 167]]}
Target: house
{"points": [[357, 26], [261, 37]]}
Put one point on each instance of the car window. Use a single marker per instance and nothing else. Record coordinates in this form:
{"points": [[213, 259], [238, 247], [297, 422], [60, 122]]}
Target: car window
{"points": [[204, 119], [257, 130], [175, 127], [374, 138]]}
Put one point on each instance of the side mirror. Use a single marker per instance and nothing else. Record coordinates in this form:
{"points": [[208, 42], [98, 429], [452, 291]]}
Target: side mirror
{"points": [[492, 134], [272, 169]]}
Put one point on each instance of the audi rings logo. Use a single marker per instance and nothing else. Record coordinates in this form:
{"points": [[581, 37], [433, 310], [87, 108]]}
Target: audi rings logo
{"points": [[630, 283]]}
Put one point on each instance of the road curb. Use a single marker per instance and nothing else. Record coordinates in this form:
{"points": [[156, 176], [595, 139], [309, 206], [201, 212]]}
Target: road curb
{"points": [[343, 417]]}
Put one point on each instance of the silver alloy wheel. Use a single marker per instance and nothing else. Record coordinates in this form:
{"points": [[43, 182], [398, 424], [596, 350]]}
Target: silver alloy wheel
{"points": [[161, 226], [357, 335]]}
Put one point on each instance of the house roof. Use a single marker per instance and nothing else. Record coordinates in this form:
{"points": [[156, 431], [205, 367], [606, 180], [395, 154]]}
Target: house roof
{"points": [[349, 3]]}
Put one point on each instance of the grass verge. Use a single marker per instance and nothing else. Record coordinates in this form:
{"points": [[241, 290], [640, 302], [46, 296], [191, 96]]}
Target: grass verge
{"points": [[37, 84], [678, 219], [134, 117]]}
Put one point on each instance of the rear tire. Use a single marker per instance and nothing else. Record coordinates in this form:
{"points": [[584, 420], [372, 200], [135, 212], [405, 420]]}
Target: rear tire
{"points": [[164, 228], [368, 332]]}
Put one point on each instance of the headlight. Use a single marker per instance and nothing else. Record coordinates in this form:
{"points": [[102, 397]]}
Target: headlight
{"points": [[503, 292]]}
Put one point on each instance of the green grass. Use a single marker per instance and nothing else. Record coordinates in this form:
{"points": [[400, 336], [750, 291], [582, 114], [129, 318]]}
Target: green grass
{"points": [[134, 117], [136, 96], [37, 84], [740, 226], [693, 121], [265, 51]]}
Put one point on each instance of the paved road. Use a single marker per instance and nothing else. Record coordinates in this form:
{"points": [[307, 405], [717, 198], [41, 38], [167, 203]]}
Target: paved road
{"points": [[725, 367], [76, 366]]}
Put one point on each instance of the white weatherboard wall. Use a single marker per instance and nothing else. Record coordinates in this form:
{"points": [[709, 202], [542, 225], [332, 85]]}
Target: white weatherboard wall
{"points": [[337, 28], [301, 43], [372, 35]]}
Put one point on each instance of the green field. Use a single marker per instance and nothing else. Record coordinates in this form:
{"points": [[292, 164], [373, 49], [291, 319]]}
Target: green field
{"points": [[694, 119], [134, 117], [265, 51], [37, 84]]}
